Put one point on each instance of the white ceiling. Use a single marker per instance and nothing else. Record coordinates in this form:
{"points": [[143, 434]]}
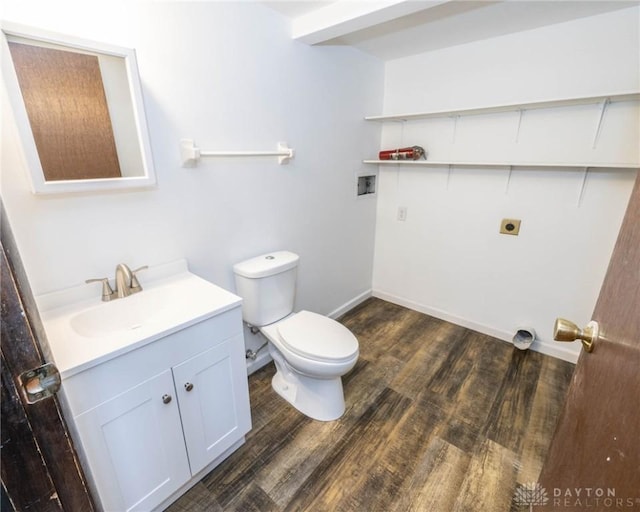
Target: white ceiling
{"points": [[390, 29]]}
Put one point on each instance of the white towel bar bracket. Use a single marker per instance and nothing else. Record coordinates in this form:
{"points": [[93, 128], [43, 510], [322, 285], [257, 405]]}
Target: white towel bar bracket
{"points": [[190, 154]]}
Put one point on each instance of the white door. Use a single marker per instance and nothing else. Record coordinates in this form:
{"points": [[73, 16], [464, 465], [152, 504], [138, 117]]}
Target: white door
{"points": [[135, 446], [214, 401]]}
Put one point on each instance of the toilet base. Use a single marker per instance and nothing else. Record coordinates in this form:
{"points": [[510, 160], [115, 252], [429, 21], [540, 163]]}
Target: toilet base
{"points": [[320, 399]]}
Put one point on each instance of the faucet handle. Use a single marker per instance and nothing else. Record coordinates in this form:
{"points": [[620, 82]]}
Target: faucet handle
{"points": [[135, 284], [107, 291]]}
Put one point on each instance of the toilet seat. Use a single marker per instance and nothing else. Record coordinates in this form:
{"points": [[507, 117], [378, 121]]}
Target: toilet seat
{"points": [[317, 337]]}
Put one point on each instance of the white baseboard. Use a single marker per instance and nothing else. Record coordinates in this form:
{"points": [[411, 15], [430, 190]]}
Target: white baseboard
{"points": [[553, 349], [359, 299], [549, 348], [263, 359]]}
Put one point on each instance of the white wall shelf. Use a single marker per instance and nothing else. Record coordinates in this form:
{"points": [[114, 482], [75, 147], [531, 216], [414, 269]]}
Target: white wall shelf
{"points": [[513, 107], [440, 163], [602, 100]]}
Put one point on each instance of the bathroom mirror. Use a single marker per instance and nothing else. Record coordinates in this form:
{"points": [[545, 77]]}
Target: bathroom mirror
{"points": [[79, 111]]}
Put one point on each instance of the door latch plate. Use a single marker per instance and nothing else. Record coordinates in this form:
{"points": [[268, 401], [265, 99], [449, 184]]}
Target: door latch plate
{"points": [[40, 383]]}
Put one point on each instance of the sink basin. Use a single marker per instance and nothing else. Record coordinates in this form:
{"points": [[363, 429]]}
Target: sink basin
{"points": [[128, 313], [83, 331]]}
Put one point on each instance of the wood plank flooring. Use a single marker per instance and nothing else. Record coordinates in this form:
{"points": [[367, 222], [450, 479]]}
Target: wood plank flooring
{"points": [[439, 418]]}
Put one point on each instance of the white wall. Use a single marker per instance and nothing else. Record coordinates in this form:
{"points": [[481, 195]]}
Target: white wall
{"points": [[229, 76], [447, 258]]}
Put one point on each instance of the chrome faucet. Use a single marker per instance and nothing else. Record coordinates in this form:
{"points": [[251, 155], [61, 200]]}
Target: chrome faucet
{"points": [[123, 281], [126, 283]]}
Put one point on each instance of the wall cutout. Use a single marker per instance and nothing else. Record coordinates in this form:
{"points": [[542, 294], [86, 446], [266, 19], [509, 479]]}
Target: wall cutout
{"points": [[67, 108], [79, 110], [366, 185]]}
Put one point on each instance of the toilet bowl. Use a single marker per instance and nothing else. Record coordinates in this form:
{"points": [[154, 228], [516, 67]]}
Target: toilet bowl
{"points": [[311, 352]]}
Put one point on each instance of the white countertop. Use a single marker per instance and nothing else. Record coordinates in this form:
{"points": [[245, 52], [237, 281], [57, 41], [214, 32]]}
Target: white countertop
{"points": [[82, 334]]}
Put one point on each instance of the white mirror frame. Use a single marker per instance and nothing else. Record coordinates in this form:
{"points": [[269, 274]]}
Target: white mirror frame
{"points": [[36, 174]]}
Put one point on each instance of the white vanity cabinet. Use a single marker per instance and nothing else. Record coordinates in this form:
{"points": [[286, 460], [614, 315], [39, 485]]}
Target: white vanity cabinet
{"points": [[134, 447], [151, 422], [205, 387]]}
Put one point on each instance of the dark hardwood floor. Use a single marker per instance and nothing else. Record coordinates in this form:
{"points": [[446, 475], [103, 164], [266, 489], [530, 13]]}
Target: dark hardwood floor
{"points": [[439, 418]]}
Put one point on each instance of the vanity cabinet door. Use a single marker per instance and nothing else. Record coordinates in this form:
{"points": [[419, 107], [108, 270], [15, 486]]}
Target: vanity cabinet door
{"points": [[214, 401], [135, 447]]}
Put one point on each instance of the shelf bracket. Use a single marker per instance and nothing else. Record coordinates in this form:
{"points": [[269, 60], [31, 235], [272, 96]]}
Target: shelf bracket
{"points": [[455, 128], [520, 112], [506, 189], [583, 185], [603, 109]]}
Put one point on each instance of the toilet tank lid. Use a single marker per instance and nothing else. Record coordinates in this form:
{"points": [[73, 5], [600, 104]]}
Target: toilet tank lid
{"points": [[266, 264]]}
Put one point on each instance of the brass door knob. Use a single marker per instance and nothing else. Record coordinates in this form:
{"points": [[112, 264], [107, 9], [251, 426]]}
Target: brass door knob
{"points": [[564, 330]]}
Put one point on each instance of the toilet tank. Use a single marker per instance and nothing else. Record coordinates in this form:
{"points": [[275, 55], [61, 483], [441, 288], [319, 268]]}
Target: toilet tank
{"points": [[267, 285]]}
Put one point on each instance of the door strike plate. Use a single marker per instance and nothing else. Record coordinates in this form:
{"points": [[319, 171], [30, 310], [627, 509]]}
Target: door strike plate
{"points": [[40, 383]]}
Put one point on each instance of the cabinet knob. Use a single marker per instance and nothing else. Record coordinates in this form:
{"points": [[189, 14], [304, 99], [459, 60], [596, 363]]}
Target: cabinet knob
{"points": [[188, 386], [166, 399]]}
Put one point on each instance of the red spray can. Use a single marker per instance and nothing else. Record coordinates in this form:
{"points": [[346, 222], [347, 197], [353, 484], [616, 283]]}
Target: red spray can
{"points": [[410, 153]]}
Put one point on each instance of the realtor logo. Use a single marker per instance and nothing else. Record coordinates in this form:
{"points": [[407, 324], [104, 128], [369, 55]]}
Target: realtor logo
{"points": [[531, 494]]}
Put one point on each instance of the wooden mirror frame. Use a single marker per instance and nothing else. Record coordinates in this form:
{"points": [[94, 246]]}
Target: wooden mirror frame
{"points": [[39, 184]]}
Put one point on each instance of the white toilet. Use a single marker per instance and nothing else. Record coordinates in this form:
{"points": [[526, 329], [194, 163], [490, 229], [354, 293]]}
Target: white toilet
{"points": [[311, 352]]}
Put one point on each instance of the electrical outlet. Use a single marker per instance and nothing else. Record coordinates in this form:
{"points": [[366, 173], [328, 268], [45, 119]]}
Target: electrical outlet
{"points": [[510, 226], [402, 213]]}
